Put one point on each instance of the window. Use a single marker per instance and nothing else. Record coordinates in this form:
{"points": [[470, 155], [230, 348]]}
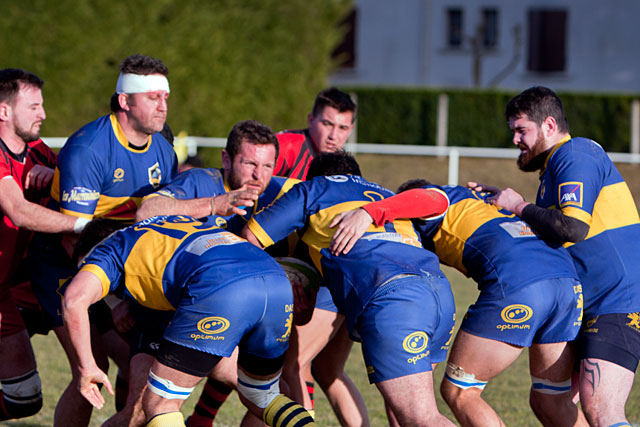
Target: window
{"points": [[547, 40], [454, 28], [345, 53], [489, 28]]}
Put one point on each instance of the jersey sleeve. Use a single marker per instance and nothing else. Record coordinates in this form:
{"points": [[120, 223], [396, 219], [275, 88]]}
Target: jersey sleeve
{"points": [[193, 184], [81, 172], [415, 203], [105, 262], [284, 216], [577, 182]]}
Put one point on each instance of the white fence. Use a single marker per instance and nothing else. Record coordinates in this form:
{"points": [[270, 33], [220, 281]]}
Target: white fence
{"points": [[453, 153]]}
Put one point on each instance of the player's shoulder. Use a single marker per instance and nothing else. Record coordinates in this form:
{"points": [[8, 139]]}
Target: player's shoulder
{"points": [[90, 135], [291, 137], [579, 151]]}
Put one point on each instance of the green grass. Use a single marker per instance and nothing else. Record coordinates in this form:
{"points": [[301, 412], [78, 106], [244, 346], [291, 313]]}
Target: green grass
{"points": [[507, 393]]}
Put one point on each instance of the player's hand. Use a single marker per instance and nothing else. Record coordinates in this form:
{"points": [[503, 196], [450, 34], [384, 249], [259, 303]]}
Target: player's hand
{"points": [[38, 177], [350, 226], [122, 318], [508, 199], [88, 385], [475, 186], [229, 203]]}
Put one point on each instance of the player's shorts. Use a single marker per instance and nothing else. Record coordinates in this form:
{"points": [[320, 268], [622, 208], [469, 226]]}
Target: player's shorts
{"points": [[10, 320], [255, 314], [612, 337], [148, 328], [34, 318], [406, 326], [543, 312], [324, 301], [51, 270]]}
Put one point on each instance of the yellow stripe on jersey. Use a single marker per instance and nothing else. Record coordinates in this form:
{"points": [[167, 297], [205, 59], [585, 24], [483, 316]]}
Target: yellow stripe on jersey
{"points": [[101, 275], [55, 185], [264, 239], [577, 213], [116, 207], [460, 222], [122, 138]]}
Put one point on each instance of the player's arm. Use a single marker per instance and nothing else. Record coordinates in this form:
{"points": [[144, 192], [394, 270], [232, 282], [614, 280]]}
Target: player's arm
{"points": [[247, 234], [550, 224], [84, 290], [415, 203], [223, 204], [32, 216]]}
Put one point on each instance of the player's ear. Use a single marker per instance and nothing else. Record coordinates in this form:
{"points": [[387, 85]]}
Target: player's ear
{"points": [[123, 100], [549, 126], [5, 111], [226, 160]]}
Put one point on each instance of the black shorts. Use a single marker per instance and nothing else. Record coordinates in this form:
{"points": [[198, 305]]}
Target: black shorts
{"points": [[611, 337]]}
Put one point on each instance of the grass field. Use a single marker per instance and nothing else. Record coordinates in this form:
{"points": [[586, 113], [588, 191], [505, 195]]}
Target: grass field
{"points": [[508, 393]]}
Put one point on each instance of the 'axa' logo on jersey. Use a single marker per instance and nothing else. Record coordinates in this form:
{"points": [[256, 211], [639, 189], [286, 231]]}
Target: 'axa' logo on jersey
{"points": [[213, 325], [155, 175], [118, 175], [570, 194], [415, 342], [516, 313]]}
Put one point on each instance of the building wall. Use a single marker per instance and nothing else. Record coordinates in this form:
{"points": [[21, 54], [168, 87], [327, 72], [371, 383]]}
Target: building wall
{"points": [[404, 43]]}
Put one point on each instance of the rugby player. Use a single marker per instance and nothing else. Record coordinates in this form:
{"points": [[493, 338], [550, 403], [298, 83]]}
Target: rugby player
{"points": [[496, 249], [26, 171], [584, 203], [200, 273], [395, 299], [104, 170]]}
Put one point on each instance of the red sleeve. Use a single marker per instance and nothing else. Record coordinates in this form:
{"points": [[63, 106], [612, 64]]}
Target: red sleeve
{"points": [[416, 203], [290, 144]]}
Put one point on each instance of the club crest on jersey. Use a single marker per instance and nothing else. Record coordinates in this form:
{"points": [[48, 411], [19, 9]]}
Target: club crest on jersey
{"points": [[570, 194], [337, 178], [155, 175]]}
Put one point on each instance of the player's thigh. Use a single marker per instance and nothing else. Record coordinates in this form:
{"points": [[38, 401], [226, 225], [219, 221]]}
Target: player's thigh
{"points": [[553, 362], [482, 357], [604, 384], [411, 393], [315, 335], [335, 354]]}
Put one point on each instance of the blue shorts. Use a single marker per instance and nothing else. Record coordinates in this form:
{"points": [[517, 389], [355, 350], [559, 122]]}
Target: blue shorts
{"points": [[255, 314], [324, 301], [543, 312], [50, 272], [406, 326]]}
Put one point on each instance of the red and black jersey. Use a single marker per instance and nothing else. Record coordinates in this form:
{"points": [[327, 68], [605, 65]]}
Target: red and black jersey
{"points": [[295, 154], [16, 166]]}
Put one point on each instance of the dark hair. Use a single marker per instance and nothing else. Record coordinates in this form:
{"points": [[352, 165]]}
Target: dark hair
{"points": [[336, 163], [138, 64], [10, 80], [194, 161], [538, 103], [411, 184], [253, 132], [93, 233], [333, 97]]}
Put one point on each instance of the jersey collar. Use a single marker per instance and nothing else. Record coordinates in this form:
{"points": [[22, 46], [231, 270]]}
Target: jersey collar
{"points": [[553, 150], [122, 138]]}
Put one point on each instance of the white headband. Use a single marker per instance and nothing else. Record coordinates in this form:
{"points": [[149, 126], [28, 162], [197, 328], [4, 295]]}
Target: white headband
{"points": [[137, 83]]}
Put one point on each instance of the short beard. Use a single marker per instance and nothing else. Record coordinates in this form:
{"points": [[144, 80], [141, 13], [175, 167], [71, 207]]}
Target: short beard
{"points": [[27, 136], [535, 158]]}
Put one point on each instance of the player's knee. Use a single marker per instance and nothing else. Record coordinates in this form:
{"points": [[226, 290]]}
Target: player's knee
{"points": [[259, 392], [457, 383], [21, 396], [166, 388]]}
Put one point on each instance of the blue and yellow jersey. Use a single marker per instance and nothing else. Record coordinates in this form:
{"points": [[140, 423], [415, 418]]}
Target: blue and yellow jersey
{"points": [[99, 174], [210, 182], [581, 180], [494, 247], [381, 254], [156, 260]]}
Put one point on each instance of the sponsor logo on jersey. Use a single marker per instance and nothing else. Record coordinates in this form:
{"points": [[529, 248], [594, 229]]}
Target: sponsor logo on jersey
{"points": [[80, 195], [634, 322], [287, 333], [515, 315], [570, 194], [203, 243], [517, 229], [155, 175], [415, 342], [118, 175], [213, 325]]}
